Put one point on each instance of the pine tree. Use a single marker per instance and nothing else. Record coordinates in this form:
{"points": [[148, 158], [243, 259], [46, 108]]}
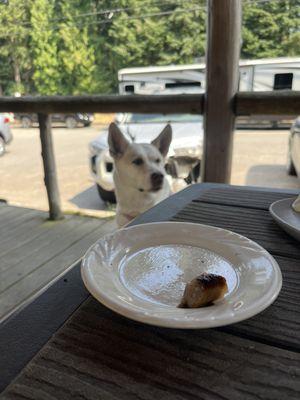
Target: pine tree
{"points": [[75, 52], [14, 37], [44, 39]]}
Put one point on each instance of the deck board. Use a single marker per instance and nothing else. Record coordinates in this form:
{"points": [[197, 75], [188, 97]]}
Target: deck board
{"points": [[34, 251], [99, 355], [241, 197]]}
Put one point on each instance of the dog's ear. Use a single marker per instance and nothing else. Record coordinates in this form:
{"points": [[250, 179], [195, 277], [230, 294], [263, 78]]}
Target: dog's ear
{"points": [[116, 141], [163, 140]]}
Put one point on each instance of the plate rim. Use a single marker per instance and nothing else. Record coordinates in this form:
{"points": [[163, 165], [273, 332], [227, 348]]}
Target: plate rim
{"points": [[276, 216], [285, 225], [128, 312]]}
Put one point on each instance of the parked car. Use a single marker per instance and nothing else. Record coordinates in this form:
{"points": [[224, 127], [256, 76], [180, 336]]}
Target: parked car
{"points": [[183, 160], [71, 120], [5, 133], [293, 162]]}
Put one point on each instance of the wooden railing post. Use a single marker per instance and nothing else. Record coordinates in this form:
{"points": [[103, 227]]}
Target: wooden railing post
{"points": [[49, 167], [222, 75]]}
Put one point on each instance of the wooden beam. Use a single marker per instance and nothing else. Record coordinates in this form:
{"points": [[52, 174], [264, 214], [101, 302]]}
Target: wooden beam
{"points": [[281, 102], [49, 167], [222, 72], [285, 102], [176, 104]]}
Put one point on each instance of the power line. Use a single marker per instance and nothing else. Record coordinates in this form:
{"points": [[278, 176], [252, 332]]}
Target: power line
{"points": [[113, 10], [109, 21], [140, 17]]}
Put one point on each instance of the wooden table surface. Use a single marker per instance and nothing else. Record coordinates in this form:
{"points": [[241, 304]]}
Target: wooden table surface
{"points": [[65, 345]]}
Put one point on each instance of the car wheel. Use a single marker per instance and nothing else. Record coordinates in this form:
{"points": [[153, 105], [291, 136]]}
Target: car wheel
{"points": [[106, 195], [290, 167], [2, 146], [26, 122], [71, 122]]}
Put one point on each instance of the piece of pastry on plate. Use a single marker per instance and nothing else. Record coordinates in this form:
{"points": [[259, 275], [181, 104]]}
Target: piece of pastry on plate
{"points": [[203, 291]]}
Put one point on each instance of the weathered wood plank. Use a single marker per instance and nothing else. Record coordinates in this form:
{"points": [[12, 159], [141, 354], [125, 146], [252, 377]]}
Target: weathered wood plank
{"points": [[50, 177], [281, 102], [279, 325], [255, 224], [245, 103], [56, 237], [12, 226], [11, 215], [175, 104], [37, 226], [50, 265], [29, 329], [241, 197], [98, 354], [222, 77]]}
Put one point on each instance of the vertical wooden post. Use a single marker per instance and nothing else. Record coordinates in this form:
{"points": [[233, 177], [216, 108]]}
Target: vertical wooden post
{"points": [[49, 167], [222, 76]]}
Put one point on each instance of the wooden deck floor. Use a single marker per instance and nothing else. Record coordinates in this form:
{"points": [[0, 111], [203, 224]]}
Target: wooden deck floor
{"points": [[34, 251]]}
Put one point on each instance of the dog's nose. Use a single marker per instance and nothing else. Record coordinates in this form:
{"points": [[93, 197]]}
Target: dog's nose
{"points": [[156, 178]]}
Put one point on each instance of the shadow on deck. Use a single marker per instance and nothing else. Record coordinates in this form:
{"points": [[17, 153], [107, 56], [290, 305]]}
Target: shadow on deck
{"points": [[35, 251]]}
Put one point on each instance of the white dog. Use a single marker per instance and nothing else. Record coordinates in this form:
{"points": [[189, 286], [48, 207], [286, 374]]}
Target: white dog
{"points": [[139, 173]]}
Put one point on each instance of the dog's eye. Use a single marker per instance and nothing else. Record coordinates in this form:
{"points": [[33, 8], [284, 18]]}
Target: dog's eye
{"points": [[157, 161], [138, 161]]}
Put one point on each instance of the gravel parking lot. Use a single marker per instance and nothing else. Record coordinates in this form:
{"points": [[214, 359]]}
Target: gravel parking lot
{"points": [[259, 160]]}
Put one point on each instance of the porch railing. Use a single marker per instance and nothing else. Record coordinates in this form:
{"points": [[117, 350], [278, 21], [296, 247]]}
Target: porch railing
{"points": [[220, 104]]}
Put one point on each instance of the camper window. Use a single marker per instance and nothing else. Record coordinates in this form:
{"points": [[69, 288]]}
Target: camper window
{"points": [[283, 81], [129, 88], [182, 84]]}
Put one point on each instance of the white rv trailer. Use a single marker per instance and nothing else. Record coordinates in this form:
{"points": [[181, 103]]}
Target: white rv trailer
{"points": [[255, 75]]}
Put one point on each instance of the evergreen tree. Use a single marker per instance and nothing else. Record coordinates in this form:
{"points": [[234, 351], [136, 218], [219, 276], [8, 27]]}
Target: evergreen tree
{"points": [[14, 58], [44, 41], [270, 28], [75, 53]]}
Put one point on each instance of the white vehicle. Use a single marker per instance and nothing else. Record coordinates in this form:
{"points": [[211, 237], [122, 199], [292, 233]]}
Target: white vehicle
{"points": [[5, 132], [183, 157], [185, 154], [255, 75]]}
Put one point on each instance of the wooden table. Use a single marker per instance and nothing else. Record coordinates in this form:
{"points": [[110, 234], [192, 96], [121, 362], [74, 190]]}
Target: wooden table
{"points": [[97, 354]]}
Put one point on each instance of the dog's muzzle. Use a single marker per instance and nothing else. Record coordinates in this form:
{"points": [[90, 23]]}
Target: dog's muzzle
{"points": [[157, 179]]}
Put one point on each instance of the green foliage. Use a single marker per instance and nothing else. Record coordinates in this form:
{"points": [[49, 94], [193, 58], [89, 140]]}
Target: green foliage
{"points": [[14, 42], [44, 42], [270, 28], [78, 46]]}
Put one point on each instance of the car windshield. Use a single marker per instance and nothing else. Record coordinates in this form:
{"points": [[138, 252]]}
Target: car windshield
{"points": [[157, 118]]}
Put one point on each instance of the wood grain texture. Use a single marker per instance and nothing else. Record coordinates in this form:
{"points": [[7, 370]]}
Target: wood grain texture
{"points": [[279, 324], [100, 355], [245, 103], [50, 178], [242, 197], [175, 104], [222, 77], [281, 102], [34, 251], [255, 224]]}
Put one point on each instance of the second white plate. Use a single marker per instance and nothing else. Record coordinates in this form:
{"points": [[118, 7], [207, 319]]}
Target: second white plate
{"points": [[286, 217], [141, 271]]}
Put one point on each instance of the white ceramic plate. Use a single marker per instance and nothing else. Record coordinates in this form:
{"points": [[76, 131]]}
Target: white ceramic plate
{"points": [[286, 217], [141, 271]]}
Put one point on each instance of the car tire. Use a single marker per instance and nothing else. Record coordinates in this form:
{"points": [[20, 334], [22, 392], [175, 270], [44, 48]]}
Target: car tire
{"points": [[71, 122], [26, 122], [106, 195], [290, 167], [2, 146]]}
